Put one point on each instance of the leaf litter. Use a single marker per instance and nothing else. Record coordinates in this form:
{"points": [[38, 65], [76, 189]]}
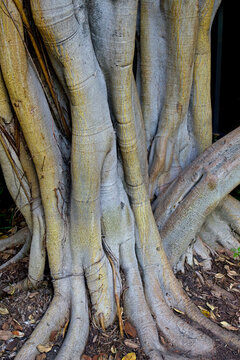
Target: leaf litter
{"points": [[215, 292]]}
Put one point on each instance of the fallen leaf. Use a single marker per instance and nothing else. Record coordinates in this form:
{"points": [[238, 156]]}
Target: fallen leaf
{"points": [[5, 256], [41, 357], [129, 329], [118, 356], [179, 311], [211, 306], [228, 326], [229, 262], [95, 339], [195, 262], [65, 328], [9, 290], [162, 340], [33, 294], [219, 276], [113, 349], [3, 237], [16, 325], [212, 316], [18, 334], [44, 348], [236, 290], [5, 326], [12, 345], [86, 357], [130, 356], [131, 344], [219, 292], [5, 335], [31, 319], [204, 311], [102, 356], [4, 311]]}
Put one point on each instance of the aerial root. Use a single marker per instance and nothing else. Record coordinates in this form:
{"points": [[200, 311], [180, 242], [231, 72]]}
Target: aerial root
{"points": [[15, 240], [138, 313], [54, 319], [137, 310], [77, 334], [181, 335], [20, 255]]}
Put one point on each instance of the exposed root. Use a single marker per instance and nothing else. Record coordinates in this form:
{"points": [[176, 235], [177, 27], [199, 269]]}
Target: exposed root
{"points": [[221, 228], [20, 255], [53, 320], [136, 307], [38, 247], [15, 240], [200, 248], [202, 190], [181, 335], [77, 333], [204, 252], [176, 297], [230, 210]]}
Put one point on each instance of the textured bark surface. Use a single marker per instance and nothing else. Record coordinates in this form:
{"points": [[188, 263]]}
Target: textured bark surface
{"points": [[112, 172]]}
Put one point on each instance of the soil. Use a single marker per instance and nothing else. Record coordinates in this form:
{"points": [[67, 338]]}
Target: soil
{"points": [[215, 292]]}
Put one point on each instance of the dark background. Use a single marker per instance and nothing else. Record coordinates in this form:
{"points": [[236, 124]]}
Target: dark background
{"points": [[226, 68]]}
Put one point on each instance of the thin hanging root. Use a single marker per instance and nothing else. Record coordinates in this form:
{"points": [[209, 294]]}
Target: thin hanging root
{"points": [[54, 320], [20, 255], [14, 167], [42, 65], [15, 240], [119, 309]]}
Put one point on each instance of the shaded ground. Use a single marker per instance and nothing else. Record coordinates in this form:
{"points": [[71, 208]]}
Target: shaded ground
{"points": [[215, 292]]}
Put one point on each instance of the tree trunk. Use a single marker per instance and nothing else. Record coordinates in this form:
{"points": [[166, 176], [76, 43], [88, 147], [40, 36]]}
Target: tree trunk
{"points": [[101, 163]]}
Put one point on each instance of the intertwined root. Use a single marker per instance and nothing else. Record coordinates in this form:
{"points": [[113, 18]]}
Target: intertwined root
{"points": [[92, 227], [222, 227]]}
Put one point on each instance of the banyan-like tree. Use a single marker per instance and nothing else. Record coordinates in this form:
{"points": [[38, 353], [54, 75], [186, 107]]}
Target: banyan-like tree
{"points": [[105, 146]]}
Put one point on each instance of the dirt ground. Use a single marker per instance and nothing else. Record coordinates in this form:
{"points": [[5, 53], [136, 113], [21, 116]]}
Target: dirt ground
{"points": [[215, 292]]}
